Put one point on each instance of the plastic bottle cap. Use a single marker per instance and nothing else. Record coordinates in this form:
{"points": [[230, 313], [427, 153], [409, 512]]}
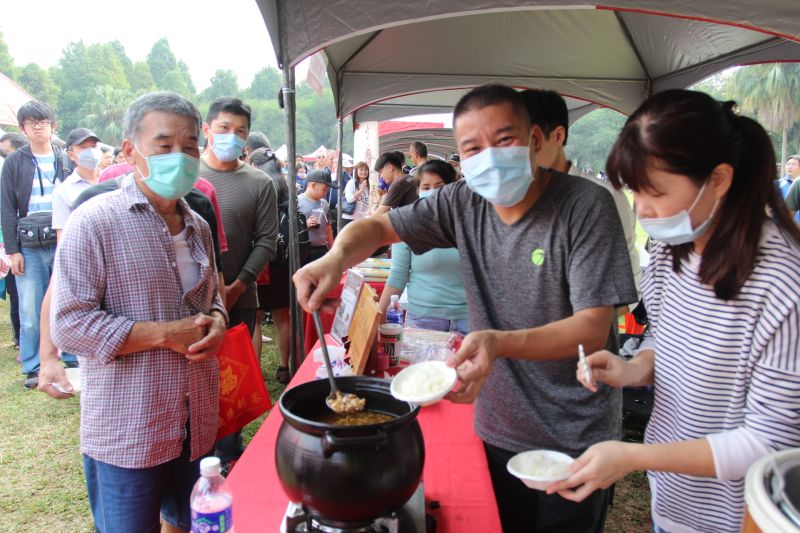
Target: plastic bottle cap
{"points": [[395, 298], [210, 466]]}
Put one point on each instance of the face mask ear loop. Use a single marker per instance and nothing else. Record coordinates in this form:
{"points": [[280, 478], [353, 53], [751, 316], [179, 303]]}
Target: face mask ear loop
{"points": [[697, 198], [145, 160]]}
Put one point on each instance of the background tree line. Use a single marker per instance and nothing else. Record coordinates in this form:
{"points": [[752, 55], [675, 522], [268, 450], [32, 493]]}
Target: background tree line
{"points": [[770, 93], [93, 84]]}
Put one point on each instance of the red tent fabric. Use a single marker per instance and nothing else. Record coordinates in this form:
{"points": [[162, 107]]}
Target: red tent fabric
{"points": [[392, 126]]}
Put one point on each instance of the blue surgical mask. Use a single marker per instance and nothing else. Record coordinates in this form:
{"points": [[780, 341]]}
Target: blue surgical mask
{"points": [[90, 157], [501, 175], [425, 194], [677, 229], [172, 175], [227, 146]]}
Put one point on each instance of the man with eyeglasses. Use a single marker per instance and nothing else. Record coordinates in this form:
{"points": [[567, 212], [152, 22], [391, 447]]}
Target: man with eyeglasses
{"points": [[27, 181]]}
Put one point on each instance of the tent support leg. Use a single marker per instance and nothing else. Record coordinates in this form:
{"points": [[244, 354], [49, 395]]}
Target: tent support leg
{"points": [[340, 170], [296, 339]]}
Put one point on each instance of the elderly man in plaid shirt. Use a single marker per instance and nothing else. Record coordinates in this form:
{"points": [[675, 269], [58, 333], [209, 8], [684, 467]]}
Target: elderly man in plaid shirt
{"points": [[137, 299]]}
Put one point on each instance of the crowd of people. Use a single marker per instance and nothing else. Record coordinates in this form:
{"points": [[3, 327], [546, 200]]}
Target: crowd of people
{"points": [[132, 262]]}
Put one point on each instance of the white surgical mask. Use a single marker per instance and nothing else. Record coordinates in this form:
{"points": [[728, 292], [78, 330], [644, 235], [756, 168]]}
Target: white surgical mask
{"points": [[502, 175], [677, 229]]}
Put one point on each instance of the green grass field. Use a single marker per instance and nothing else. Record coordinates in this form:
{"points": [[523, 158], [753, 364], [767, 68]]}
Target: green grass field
{"points": [[41, 474]]}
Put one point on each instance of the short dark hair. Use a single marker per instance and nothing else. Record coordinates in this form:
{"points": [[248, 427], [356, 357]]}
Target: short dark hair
{"points": [[256, 140], [17, 140], [491, 94], [440, 168], [396, 159], [548, 110], [117, 150], [34, 110], [420, 148], [796, 157], [105, 150], [226, 104]]}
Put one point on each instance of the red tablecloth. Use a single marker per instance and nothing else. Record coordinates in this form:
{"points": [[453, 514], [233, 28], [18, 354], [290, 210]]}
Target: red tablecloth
{"points": [[455, 474], [310, 331]]}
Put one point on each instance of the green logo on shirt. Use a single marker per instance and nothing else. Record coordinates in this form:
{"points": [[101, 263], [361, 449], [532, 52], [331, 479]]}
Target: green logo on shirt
{"points": [[537, 257]]}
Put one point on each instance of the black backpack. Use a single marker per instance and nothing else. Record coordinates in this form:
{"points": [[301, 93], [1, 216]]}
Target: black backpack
{"points": [[303, 240]]}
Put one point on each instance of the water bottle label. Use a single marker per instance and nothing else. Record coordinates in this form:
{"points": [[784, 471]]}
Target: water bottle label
{"points": [[216, 522]]}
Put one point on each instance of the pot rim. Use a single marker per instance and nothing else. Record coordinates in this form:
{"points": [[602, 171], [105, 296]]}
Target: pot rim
{"points": [[347, 384]]}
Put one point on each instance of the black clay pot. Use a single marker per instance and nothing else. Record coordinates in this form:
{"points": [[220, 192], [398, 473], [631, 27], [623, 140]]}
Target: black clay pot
{"points": [[348, 474]]}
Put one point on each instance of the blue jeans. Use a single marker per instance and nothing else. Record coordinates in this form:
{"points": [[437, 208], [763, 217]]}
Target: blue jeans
{"points": [[31, 287], [129, 500], [436, 324]]}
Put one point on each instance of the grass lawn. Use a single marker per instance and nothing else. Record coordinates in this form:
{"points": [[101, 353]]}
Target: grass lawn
{"points": [[42, 487]]}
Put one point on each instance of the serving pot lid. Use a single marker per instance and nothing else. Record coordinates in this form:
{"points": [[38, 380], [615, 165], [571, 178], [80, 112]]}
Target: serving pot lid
{"points": [[784, 487]]}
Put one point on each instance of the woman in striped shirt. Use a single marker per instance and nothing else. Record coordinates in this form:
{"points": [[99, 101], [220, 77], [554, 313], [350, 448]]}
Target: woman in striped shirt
{"points": [[722, 292]]}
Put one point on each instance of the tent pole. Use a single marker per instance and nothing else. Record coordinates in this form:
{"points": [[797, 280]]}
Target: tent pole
{"points": [[340, 171], [296, 339]]}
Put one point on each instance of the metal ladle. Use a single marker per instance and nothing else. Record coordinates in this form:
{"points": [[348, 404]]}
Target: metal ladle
{"points": [[339, 402]]}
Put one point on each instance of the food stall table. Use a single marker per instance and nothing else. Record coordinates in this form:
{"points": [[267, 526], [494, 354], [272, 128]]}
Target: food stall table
{"points": [[455, 473]]}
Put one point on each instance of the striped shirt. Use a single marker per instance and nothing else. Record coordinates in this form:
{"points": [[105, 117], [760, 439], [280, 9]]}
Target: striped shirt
{"points": [[116, 265], [44, 181], [249, 210], [728, 371]]}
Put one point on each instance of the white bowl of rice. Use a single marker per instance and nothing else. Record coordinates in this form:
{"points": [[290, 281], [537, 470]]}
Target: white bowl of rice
{"points": [[424, 383], [539, 468]]}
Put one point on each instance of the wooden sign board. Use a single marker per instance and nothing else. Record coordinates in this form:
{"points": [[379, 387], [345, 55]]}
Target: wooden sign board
{"points": [[363, 328], [347, 305]]}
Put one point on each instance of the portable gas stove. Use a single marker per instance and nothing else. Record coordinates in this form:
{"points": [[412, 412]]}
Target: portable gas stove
{"points": [[410, 518]]}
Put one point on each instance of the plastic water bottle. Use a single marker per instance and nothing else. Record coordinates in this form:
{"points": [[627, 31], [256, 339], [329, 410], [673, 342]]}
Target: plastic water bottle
{"points": [[394, 315], [211, 505]]}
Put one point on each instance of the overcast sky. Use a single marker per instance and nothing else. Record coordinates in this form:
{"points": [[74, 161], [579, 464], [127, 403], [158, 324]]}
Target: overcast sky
{"points": [[206, 34]]}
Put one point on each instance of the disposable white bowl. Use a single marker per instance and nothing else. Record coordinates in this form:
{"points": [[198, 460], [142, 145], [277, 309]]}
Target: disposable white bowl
{"points": [[514, 467], [74, 377], [414, 372]]}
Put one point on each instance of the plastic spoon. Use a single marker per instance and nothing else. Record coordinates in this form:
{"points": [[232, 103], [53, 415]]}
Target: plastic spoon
{"points": [[338, 402], [587, 373]]}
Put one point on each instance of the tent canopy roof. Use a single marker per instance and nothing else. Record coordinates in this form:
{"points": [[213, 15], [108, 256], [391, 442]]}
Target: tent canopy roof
{"points": [[612, 55]]}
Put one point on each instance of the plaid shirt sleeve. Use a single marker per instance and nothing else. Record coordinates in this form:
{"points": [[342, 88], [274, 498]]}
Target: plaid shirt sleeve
{"points": [[79, 323]]}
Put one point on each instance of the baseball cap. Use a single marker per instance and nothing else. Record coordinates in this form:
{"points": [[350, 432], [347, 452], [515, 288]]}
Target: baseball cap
{"points": [[320, 176], [78, 135]]}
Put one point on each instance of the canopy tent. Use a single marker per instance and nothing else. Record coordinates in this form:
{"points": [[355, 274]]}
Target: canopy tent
{"points": [[613, 54], [12, 96], [440, 102], [439, 141]]}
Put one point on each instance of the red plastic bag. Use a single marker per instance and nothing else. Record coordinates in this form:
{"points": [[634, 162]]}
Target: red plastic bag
{"points": [[243, 396]]}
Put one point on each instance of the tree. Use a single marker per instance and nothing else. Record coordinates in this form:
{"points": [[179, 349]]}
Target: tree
{"points": [[770, 92], [81, 70], [39, 83], [265, 85], [104, 112], [142, 79], [591, 138], [223, 83], [168, 73], [6, 60], [124, 60]]}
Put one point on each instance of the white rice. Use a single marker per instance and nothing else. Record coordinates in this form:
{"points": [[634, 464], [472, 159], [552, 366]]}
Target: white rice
{"points": [[542, 466], [425, 380]]}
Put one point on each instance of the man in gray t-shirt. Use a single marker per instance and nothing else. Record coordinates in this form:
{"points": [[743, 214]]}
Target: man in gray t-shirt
{"points": [[544, 263]]}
